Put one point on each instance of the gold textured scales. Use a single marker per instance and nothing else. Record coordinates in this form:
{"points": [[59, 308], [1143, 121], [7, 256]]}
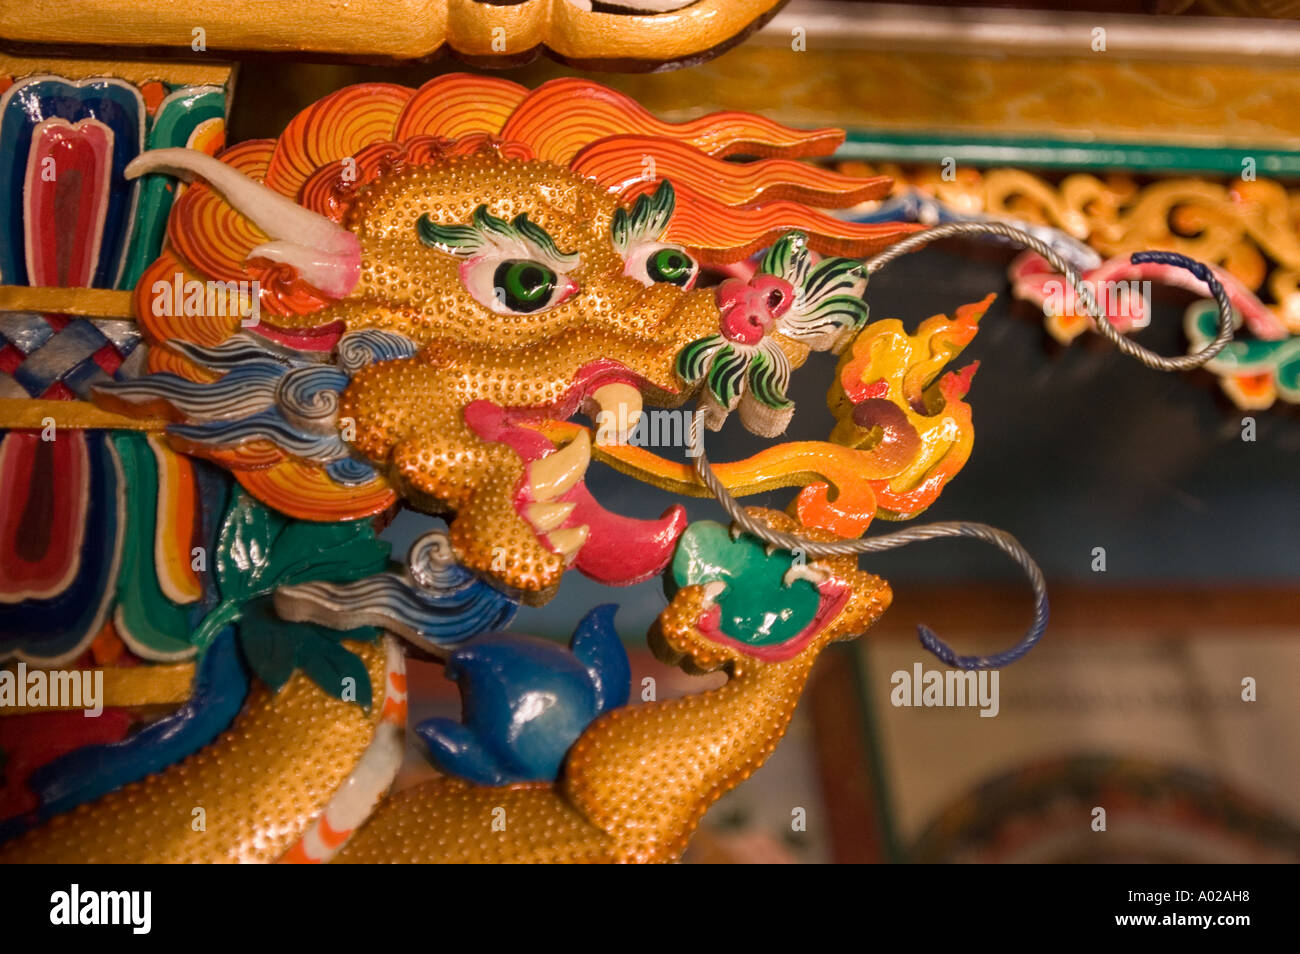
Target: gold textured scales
{"points": [[646, 774], [409, 414], [260, 784], [409, 287], [448, 820], [638, 780]]}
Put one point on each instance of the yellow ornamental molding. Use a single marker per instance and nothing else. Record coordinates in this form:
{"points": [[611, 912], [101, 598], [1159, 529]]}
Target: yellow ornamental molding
{"points": [[136, 72], [568, 29], [1249, 228]]}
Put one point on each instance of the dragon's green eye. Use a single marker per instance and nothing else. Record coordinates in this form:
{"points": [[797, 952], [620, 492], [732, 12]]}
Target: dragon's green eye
{"points": [[670, 265], [523, 285]]}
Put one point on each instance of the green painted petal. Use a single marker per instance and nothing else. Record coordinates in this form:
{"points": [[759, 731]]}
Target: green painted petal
{"points": [[834, 276], [828, 279], [825, 325], [693, 360], [788, 258], [726, 379], [829, 305], [769, 375]]}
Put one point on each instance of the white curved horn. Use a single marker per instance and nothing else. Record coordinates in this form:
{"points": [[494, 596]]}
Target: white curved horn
{"points": [[325, 255]]}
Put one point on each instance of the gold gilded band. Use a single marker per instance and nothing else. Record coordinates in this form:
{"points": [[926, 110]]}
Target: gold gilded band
{"points": [[88, 302], [136, 72], [34, 413], [364, 27], [137, 686]]}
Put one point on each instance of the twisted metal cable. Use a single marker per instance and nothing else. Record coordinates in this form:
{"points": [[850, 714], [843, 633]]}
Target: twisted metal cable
{"points": [[1128, 346], [961, 528]]}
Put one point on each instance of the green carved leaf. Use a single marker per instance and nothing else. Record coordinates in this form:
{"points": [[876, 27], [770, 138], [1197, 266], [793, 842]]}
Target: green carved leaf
{"points": [[244, 547], [335, 669], [275, 648], [339, 552], [260, 550], [268, 642]]}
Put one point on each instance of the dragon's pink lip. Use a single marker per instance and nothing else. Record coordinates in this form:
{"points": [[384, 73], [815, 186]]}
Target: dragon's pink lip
{"points": [[618, 550]]}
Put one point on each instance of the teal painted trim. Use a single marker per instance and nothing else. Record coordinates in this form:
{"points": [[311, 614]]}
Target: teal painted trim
{"points": [[178, 116], [1065, 154]]}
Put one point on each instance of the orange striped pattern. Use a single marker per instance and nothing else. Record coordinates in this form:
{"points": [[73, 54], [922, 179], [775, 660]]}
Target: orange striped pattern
{"points": [[330, 191], [303, 491], [458, 105], [255, 455], [210, 235], [165, 360], [394, 710], [353, 802], [297, 855], [158, 328], [718, 234], [561, 117], [332, 128], [209, 136], [624, 162]]}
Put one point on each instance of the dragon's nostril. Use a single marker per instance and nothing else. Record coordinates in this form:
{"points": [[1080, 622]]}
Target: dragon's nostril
{"points": [[774, 299]]}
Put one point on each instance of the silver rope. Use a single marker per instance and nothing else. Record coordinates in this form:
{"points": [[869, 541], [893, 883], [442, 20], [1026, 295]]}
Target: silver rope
{"points": [[960, 528], [1129, 347]]}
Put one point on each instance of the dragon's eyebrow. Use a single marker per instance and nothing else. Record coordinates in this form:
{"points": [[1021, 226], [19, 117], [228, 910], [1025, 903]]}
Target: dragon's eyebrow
{"points": [[488, 229], [647, 220]]}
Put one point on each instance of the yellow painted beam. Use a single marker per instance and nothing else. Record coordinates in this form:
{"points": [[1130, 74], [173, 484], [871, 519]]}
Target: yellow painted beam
{"points": [[31, 413], [168, 684], [86, 302]]}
